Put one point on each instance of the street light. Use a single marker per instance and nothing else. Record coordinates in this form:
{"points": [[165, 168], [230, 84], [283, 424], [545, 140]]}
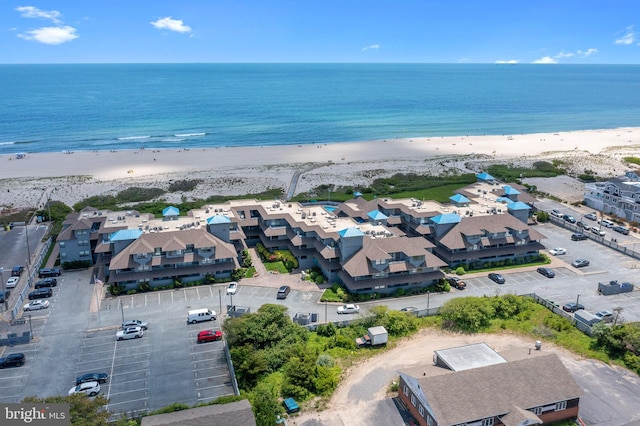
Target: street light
{"points": [[4, 290], [30, 328]]}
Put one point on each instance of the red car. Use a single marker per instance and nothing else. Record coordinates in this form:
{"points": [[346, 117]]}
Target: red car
{"points": [[209, 336]]}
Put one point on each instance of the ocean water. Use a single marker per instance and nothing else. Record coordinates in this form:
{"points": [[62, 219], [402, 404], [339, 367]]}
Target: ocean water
{"points": [[50, 108]]}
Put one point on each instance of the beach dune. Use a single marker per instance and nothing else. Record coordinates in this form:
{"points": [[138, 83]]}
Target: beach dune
{"points": [[72, 176]]}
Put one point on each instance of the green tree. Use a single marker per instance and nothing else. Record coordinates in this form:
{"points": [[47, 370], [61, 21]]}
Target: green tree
{"points": [[84, 411], [264, 401], [300, 372], [470, 314]]}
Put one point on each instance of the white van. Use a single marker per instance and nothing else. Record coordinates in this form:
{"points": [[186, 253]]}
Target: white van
{"points": [[607, 223], [199, 315]]}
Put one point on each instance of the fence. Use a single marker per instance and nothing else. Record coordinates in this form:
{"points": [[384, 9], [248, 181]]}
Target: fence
{"points": [[32, 275]]}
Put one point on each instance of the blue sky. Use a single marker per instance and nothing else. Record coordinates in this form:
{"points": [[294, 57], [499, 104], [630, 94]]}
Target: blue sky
{"points": [[392, 31]]}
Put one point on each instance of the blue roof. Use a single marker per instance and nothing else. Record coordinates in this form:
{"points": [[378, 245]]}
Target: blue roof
{"points": [[170, 211], [377, 215], [485, 176], [518, 205], [446, 218], [510, 191], [219, 218], [350, 232], [125, 235], [459, 198]]}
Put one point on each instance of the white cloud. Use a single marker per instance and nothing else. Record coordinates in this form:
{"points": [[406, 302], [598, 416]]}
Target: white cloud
{"points": [[564, 55], [34, 12], [587, 52], [545, 60], [50, 35], [371, 47], [628, 37], [510, 61], [171, 24]]}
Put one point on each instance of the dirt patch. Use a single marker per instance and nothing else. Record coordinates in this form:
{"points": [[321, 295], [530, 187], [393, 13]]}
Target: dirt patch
{"points": [[564, 187], [368, 381]]}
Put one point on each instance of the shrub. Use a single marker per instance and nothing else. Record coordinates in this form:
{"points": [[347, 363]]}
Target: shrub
{"points": [[76, 264], [460, 270], [116, 289]]}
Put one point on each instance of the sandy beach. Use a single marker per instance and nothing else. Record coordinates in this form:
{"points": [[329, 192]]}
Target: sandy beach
{"points": [[72, 176]]}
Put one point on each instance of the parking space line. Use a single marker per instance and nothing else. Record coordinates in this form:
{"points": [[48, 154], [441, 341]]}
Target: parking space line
{"points": [[108, 344], [211, 387], [13, 377], [128, 400], [145, 361], [214, 376]]}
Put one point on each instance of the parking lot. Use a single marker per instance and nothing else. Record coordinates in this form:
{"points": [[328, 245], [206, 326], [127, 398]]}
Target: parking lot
{"points": [[166, 365]]}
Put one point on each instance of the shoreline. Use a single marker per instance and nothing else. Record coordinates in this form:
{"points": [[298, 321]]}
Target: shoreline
{"points": [[71, 177]]}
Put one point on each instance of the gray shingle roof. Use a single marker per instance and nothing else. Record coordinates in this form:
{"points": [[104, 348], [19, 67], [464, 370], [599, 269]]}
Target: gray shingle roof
{"points": [[493, 390], [233, 413]]}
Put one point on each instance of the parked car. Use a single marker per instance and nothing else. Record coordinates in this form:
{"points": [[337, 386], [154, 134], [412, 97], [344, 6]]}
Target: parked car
{"points": [[12, 360], [46, 282], [604, 315], [558, 251], [569, 218], [556, 213], [591, 216], [12, 282], [456, 283], [40, 293], [130, 333], [583, 225], [92, 377], [547, 272], [496, 278], [283, 292], [49, 272], [36, 305], [580, 263], [232, 288], [572, 307], [607, 223], [4, 295], [209, 336], [87, 388], [598, 231], [578, 237], [135, 323], [409, 309], [621, 229], [349, 308], [17, 271]]}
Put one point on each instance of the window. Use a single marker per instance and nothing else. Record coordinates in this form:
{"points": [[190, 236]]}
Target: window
{"points": [[429, 421], [63, 255], [421, 410], [84, 253], [62, 243], [413, 400], [488, 421], [562, 405], [537, 411], [406, 390]]}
